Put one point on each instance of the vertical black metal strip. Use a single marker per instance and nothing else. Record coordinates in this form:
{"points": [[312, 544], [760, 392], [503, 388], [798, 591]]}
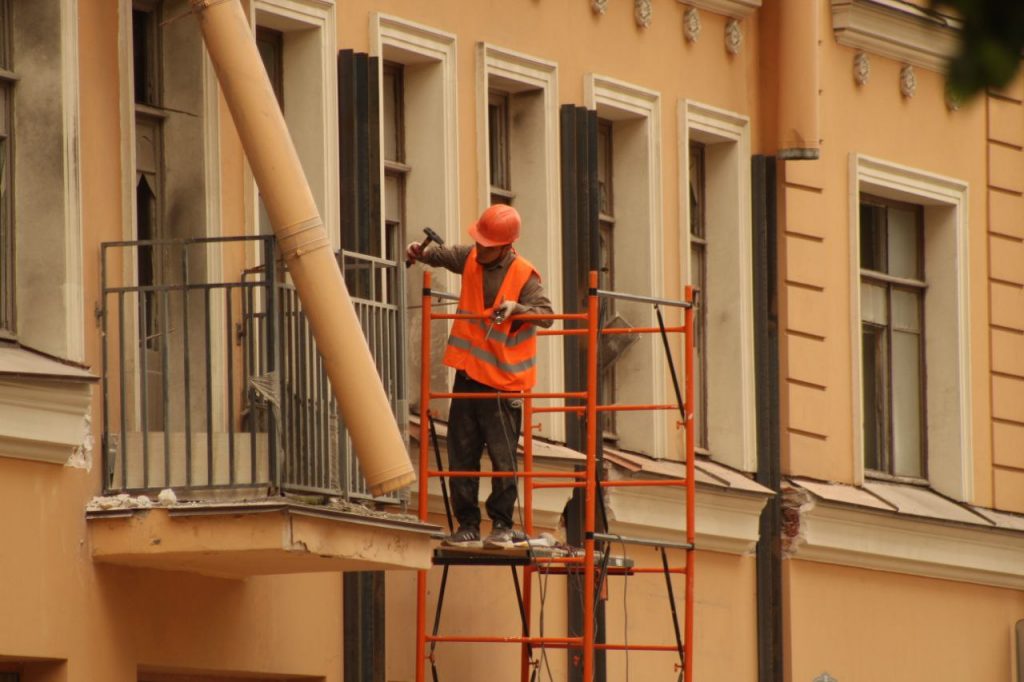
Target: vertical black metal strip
{"points": [[672, 607], [144, 386], [187, 367], [230, 342], [766, 363], [440, 467], [165, 371], [522, 610], [208, 349], [373, 159], [570, 269]]}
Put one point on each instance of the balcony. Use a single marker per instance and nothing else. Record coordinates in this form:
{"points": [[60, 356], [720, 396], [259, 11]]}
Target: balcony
{"points": [[224, 452]]}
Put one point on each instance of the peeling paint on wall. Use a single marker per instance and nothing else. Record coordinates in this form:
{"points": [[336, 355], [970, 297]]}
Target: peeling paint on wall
{"points": [[81, 456]]}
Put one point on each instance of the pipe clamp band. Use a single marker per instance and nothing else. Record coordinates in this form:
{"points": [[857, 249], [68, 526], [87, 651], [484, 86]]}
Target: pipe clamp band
{"points": [[303, 237]]}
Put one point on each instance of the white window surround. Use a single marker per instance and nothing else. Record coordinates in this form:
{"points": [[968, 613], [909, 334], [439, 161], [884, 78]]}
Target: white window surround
{"points": [[535, 179], [413, 44], [311, 109], [737, 9], [898, 30], [947, 316], [732, 429], [641, 373]]}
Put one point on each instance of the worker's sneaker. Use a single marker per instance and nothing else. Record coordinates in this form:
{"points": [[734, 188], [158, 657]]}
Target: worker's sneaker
{"points": [[465, 536], [500, 538]]}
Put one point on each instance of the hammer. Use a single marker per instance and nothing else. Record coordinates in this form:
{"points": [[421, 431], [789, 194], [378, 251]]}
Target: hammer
{"points": [[431, 237]]}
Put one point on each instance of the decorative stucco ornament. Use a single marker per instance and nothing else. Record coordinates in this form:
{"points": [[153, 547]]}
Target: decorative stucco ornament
{"points": [[953, 100], [642, 11], [733, 36], [599, 6], [861, 68], [825, 677], [691, 25], [908, 81]]}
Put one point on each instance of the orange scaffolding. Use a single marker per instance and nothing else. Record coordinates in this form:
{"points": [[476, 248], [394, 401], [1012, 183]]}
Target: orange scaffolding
{"points": [[588, 480]]}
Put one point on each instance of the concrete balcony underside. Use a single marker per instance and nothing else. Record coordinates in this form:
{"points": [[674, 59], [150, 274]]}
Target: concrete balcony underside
{"points": [[271, 537]]}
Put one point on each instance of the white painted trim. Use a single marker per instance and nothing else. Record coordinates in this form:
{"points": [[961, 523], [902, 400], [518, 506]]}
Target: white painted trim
{"points": [[529, 74], [74, 289], [714, 126], [850, 536], [737, 9], [729, 520], [613, 98], [897, 30], [438, 46], [43, 419], [909, 184]]}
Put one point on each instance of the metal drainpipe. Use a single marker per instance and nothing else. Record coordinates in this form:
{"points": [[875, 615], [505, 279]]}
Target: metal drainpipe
{"points": [[799, 80], [769, 474], [305, 245]]}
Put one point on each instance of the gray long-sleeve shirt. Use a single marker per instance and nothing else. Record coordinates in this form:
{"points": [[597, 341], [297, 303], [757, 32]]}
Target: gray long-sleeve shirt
{"points": [[532, 299]]}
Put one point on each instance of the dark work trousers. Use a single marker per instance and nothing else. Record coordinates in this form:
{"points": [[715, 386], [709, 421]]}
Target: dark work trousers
{"points": [[473, 423]]}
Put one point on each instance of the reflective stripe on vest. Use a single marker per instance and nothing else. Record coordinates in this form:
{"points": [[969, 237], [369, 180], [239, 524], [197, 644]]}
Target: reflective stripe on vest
{"points": [[491, 353]]}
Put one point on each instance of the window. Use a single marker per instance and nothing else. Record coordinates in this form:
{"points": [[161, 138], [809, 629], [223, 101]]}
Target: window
{"points": [[629, 143], [270, 44], [910, 311], [395, 168], [296, 41], [716, 226], [498, 147], [698, 279], [892, 294], [517, 164], [7, 80]]}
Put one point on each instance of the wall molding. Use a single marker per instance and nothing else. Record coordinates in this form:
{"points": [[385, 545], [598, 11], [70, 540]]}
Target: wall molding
{"points": [[897, 30], [736, 9], [885, 541]]}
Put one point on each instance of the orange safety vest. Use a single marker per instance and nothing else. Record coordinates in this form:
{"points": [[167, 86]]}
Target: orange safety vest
{"points": [[491, 353]]}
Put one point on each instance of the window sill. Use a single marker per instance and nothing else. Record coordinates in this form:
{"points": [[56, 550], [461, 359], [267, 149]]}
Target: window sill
{"points": [[45, 404], [903, 529]]}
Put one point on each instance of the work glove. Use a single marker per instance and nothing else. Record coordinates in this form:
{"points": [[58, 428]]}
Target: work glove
{"points": [[506, 309], [414, 251]]}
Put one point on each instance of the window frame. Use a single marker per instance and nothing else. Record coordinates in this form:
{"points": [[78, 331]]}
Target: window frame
{"points": [[698, 236], [948, 313], [499, 143], [891, 283]]}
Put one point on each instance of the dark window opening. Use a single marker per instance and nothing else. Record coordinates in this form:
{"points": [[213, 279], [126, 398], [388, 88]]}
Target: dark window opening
{"points": [[698, 279], [892, 332], [498, 141], [146, 54], [270, 44], [7, 239]]}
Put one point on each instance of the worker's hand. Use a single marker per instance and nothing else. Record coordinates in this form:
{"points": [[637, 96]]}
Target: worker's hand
{"points": [[504, 310], [414, 251]]}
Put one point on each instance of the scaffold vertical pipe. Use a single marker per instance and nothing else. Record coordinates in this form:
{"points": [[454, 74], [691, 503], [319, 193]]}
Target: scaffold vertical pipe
{"points": [[528, 529], [421, 575], [591, 496], [690, 488]]}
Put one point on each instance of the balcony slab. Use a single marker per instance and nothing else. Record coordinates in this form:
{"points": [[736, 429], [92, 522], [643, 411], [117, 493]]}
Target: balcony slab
{"points": [[240, 540]]}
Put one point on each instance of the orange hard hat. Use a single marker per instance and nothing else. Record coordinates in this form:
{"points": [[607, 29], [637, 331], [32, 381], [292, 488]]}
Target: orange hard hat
{"points": [[497, 226]]}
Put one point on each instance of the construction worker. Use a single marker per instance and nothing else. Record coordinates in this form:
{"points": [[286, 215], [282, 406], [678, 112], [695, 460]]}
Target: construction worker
{"points": [[489, 355]]}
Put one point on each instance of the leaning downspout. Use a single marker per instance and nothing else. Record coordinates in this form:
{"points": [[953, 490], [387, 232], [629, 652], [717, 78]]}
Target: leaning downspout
{"points": [[799, 80], [305, 245]]}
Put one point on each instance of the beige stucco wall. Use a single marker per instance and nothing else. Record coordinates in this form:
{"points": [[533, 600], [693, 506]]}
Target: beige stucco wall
{"points": [[857, 624]]}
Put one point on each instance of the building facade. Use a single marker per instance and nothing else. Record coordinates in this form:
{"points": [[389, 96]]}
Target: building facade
{"points": [[854, 234]]}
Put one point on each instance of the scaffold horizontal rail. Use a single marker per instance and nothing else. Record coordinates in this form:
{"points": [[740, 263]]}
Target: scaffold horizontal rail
{"points": [[649, 542], [506, 474], [645, 483], [510, 639]]}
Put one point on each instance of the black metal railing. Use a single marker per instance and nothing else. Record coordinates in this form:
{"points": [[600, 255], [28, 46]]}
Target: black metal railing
{"points": [[217, 385]]}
